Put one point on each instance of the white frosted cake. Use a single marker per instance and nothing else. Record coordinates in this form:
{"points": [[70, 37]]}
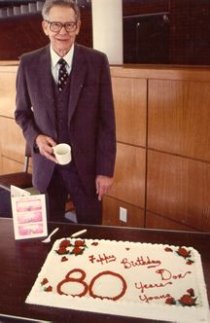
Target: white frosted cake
{"points": [[153, 281]]}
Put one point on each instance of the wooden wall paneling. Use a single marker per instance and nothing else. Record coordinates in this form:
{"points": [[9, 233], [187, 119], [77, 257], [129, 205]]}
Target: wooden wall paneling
{"points": [[7, 90], [179, 117], [176, 180], [12, 142], [10, 166], [155, 221], [111, 209], [129, 180], [162, 72], [1, 157], [130, 98], [178, 188]]}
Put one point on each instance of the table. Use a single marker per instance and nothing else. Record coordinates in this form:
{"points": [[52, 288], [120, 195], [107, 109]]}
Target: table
{"points": [[22, 260]]}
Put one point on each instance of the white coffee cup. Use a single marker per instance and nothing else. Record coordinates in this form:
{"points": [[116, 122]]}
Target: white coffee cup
{"points": [[62, 153]]}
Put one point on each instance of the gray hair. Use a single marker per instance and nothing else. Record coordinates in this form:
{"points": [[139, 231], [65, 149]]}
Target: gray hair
{"points": [[61, 3]]}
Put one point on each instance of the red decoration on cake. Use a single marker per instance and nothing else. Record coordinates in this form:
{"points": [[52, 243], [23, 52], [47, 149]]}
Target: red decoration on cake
{"points": [[170, 301], [94, 243], [44, 281], [80, 243], [187, 300], [67, 247], [189, 262], [79, 247], [77, 251], [48, 289], [65, 244], [64, 259], [191, 292], [168, 249], [62, 251], [183, 252]]}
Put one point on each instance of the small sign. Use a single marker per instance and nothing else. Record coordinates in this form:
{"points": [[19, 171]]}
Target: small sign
{"points": [[29, 214]]}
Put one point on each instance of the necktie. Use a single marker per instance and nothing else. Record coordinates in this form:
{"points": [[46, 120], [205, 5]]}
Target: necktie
{"points": [[62, 74]]}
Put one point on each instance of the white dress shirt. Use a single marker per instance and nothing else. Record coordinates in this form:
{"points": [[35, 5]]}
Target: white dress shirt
{"points": [[54, 62]]}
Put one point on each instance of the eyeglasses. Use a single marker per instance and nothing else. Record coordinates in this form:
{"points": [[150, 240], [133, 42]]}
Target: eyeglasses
{"points": [[56, 26]]}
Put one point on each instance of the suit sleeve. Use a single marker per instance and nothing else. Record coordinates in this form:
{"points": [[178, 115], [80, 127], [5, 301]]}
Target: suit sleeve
{"points": [[24, 112], [106, 141]]}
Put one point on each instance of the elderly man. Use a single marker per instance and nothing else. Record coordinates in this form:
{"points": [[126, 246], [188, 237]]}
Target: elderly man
{"points": [[74, 108]]}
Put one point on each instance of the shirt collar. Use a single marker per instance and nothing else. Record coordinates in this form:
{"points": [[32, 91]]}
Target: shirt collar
{"points": [[68, 57]]}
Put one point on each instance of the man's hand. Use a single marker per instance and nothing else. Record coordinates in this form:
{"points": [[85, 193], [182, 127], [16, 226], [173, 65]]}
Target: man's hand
{"points": [[45, 145], [103, 185]]}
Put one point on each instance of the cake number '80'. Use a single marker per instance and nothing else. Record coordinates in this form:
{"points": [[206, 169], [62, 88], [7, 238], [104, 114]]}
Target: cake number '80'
{"points": [[90, 288]]}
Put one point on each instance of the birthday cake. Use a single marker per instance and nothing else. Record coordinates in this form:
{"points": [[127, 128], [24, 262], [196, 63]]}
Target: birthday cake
{"points": [[152, 281]]}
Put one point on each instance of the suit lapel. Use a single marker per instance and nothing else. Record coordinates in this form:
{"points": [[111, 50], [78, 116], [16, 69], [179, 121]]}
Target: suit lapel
{"points": [[46, 85], [77, 79], [46, 82]]}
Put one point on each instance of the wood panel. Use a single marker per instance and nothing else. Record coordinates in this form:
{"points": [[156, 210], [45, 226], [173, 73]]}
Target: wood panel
{"points": [[163, 72], [7, 89], [130, 98], [179, 118], [162, 174], [178, 188], [11, 140], [155, 221], [111, 209], [11, 166], [129, 182]]}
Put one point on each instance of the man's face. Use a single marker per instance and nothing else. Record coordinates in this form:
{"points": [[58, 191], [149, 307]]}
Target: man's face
{"points": [[61, 40]]}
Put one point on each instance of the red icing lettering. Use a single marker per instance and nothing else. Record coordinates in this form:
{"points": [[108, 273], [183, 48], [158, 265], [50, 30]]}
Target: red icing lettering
{"points": [[112, 274], [85, 288], [166, 274], [142, 286], [103, 259], [147, 299], [140, 261], [70, 279]]}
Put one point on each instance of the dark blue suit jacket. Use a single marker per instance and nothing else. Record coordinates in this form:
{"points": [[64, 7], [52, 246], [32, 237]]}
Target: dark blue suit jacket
{"points": [[91, 120]]}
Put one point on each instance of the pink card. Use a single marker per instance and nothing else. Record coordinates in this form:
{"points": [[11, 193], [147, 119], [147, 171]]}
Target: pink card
{"points": [[29, 214]]}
